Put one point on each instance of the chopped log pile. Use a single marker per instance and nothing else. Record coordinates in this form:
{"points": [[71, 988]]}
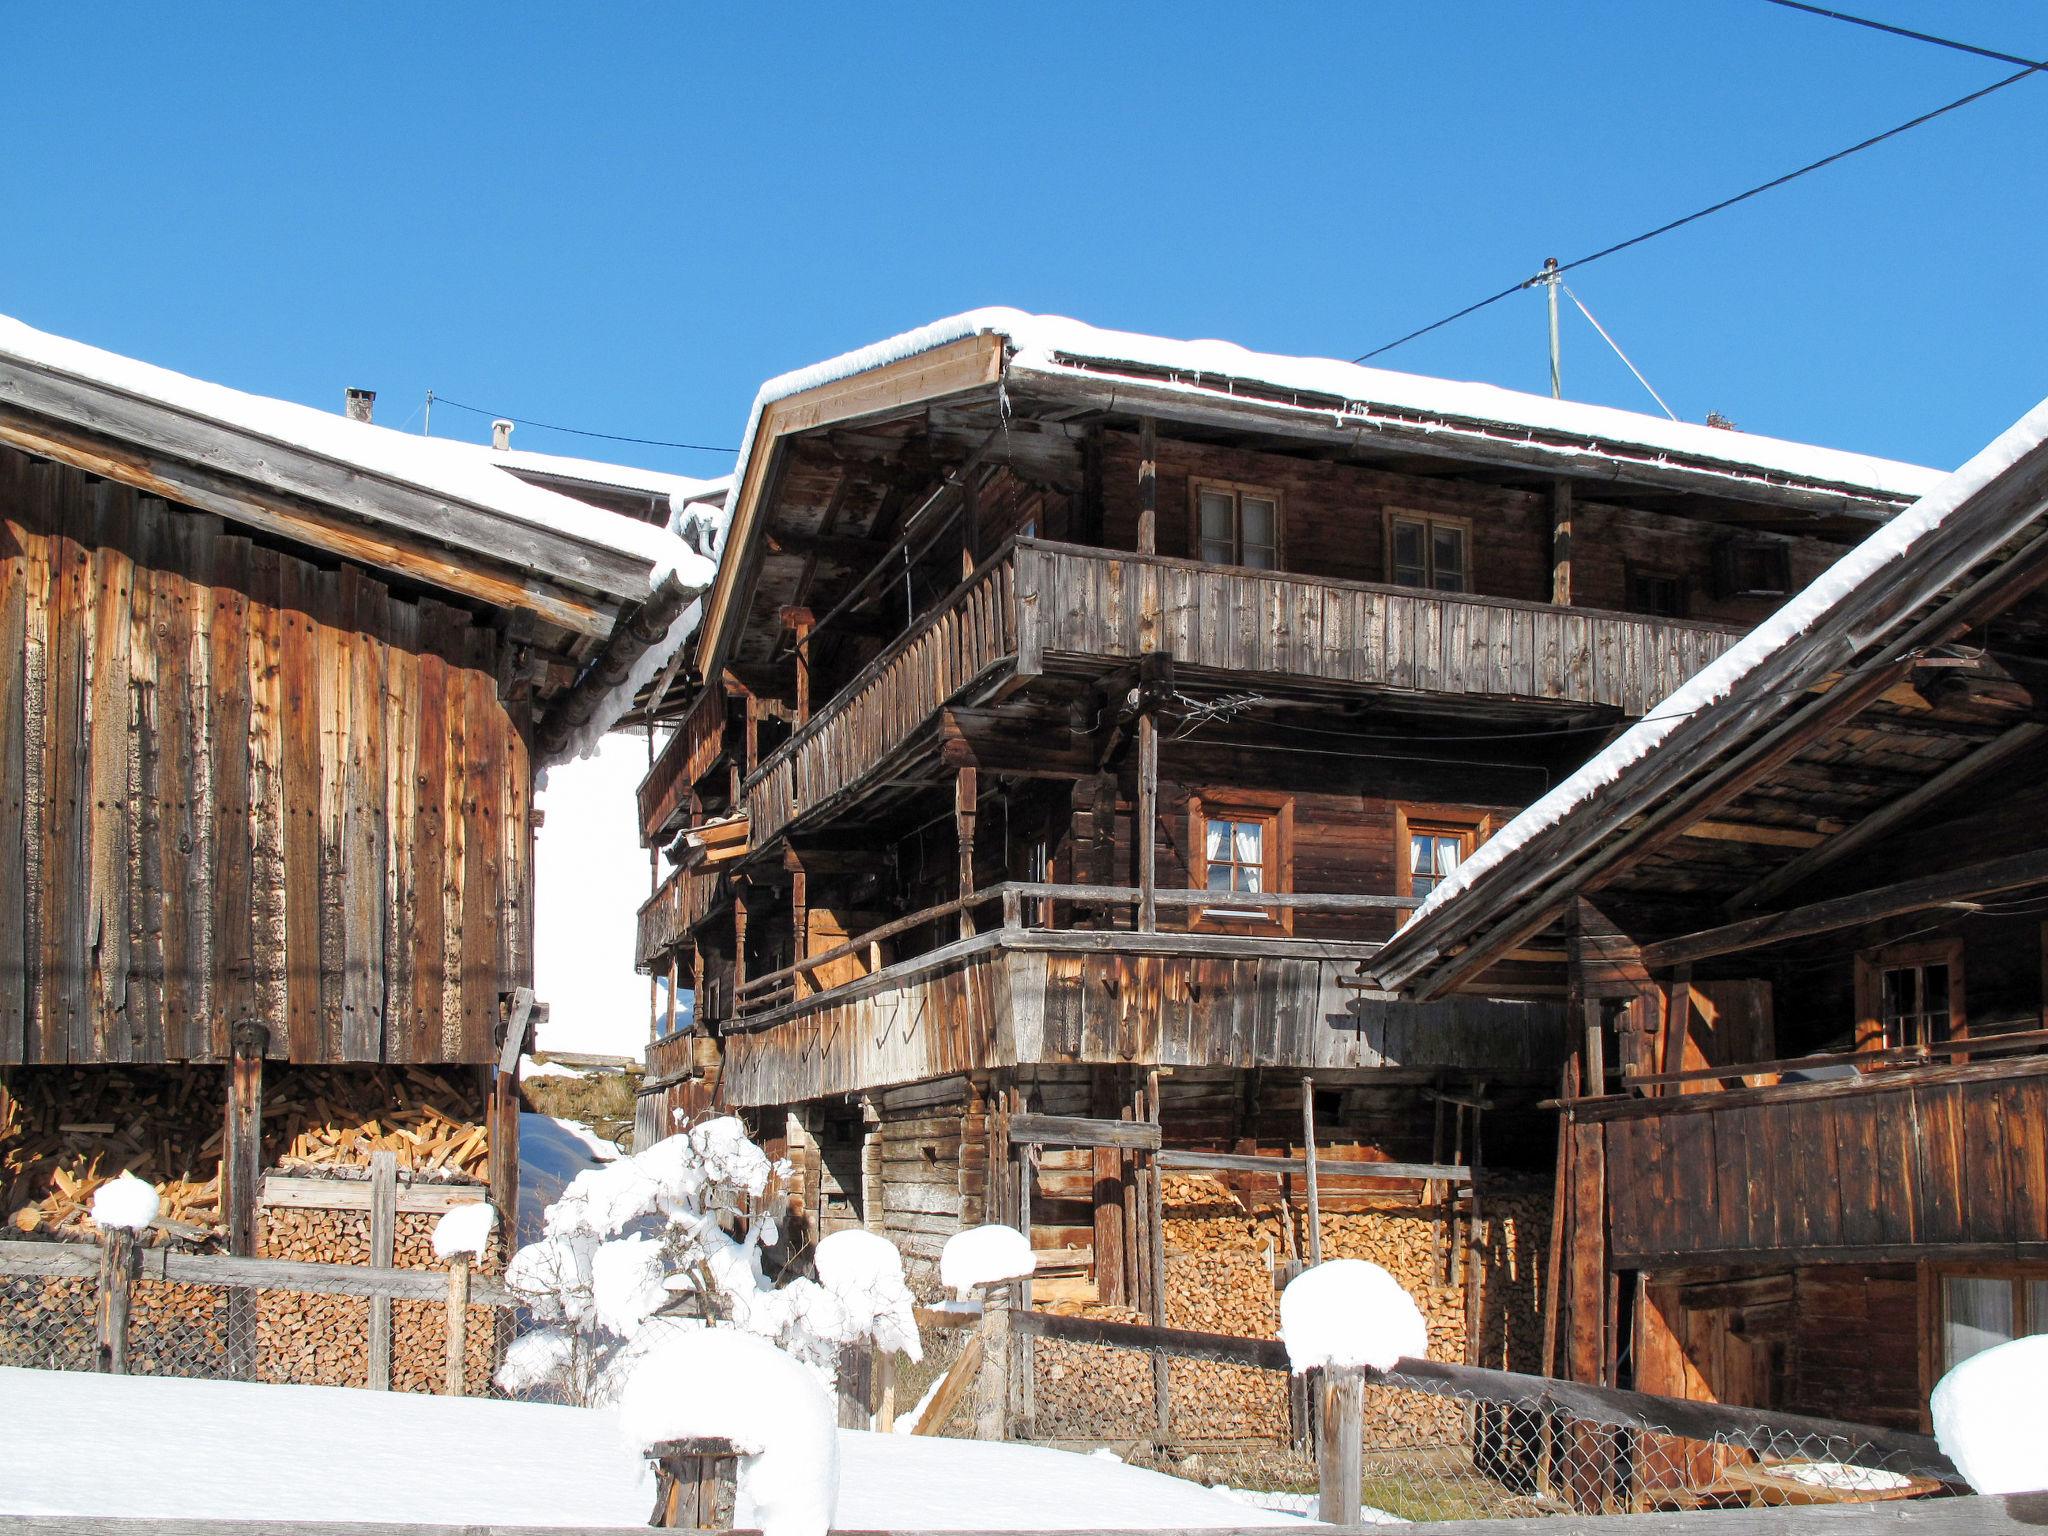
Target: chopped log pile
{"points": [[64, 1131], [319, 1340], [1221, 1253]]}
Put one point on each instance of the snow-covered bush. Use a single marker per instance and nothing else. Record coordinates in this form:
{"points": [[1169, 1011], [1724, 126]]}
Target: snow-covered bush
{"points": [[1348, 1312], [670, 1241], [1991, 1417], [719, 1382]]}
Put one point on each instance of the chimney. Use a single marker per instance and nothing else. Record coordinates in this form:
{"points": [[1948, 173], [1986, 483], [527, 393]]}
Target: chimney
{"points": [[501, 434], [360, 404]]}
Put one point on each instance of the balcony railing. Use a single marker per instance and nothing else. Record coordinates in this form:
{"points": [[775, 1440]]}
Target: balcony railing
{"points": [[1036, 604], [665, 919], [697, 742]]}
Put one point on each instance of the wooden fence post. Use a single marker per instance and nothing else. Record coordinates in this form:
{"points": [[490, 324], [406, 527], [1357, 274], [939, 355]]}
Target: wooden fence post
{"points": [[383, 1254], [856, 1385], [120, 1262], [885, 1391], [458, 1322], [1340, 1443], [694, 1482], [241, 1175]]}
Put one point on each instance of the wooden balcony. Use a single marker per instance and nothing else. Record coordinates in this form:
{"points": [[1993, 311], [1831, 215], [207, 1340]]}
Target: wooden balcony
{"points": [[1873, 1166], [696, 744], [665, 919], [1037, 607]]}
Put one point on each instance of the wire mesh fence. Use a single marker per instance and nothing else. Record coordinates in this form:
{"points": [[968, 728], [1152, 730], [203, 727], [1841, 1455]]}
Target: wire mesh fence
{"points": [[1461, 1443]]}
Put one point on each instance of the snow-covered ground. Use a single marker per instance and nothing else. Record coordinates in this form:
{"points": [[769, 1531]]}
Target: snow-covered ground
{"points": [[551, 1153], [179, 1449]]}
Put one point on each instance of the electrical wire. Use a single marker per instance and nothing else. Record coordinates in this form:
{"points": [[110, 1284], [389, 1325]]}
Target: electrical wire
{"points": [[1907, 32], [1711, 208], [610, 437]]}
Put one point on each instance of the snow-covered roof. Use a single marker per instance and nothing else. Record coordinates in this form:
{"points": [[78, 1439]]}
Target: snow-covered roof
{"points": [[1341, 397], [681, 490], [455, 472], [1867, 578]]}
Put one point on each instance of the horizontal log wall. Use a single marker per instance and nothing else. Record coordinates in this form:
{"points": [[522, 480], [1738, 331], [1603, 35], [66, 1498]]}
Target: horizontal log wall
{"points": [[1895, 1163], [242, 786]]}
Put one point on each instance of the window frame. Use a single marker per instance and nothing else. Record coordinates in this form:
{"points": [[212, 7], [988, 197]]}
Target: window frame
{"points": [[1871, 964], [1472, 827], [1430, 522], [1633, 574], [1934, 1305], [1276, 811], [1237, 490]]}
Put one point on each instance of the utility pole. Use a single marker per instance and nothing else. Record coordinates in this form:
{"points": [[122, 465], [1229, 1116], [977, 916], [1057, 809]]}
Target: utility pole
{"points": [[427, 423], [1549, 278]]}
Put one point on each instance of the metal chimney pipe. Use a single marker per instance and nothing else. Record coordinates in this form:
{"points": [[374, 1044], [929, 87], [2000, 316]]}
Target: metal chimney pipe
{"points": [[360, 403], [501, 433]]}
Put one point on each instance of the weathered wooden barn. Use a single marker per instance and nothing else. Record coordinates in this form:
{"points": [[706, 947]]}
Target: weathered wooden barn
{"points": [[277, 682], [1076, 714], [1807, 1122]]}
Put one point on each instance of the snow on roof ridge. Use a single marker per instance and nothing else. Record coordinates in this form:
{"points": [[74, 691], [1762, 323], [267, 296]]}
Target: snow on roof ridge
{"points": [[680, 489], [438, 466], [1054, 340], [1866, 562]]}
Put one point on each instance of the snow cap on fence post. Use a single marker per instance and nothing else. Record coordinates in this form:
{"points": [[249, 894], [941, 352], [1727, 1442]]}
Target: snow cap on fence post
{"points": [[1991, 1417], [986, 1255], [125, 1202], [1349, 1313], [697, 1383], [863, 1273], [465, 1230]]}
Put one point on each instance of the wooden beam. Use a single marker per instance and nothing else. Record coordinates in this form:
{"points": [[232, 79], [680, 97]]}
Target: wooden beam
{"points": [[1077, 1131], [966, 803], [1327, 1168], [1561, 541], [383, 1255], [1148, 485], [1947, 889], [1148, 823], [1896, 814], [1754, 832]]}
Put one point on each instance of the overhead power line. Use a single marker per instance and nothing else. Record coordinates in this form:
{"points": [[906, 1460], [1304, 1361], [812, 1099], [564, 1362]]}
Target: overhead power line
{"points": [[1918, 37], [610, 437], [1716, 207]]}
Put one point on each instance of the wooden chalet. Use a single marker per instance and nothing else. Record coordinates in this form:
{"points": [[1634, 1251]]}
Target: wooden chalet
{"points": [[1074, 716], [1805, 1146], [277, 684]]}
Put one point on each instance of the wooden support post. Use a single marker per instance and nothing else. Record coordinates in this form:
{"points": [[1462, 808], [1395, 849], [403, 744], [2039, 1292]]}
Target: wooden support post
{"points": [[1308, 1147], [1561, 542], [694, 1484], [1023, 1384], [739, 943], [1156, 1237], [750, 742], [241, 1177], [1109, 1164], [885, 1391], [970, 523], [801, 621], [1340, 1444], [803, 982], [855, 1378], [383, 1254], [503, 1118], [458, 1321], [1148, 485], [674, 969], [1148, 823], [966, 799], [1677, 1026], [120, 1263], [992, 1384]]}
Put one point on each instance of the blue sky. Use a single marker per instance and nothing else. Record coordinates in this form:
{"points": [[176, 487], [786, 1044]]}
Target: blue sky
{"points": [[624, 217]]}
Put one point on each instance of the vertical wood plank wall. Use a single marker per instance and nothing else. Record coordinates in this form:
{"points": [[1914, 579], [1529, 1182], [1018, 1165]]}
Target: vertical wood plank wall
{"points": [[235, 785]]}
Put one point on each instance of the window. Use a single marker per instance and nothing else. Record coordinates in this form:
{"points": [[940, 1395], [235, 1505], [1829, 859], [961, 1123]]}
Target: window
{"points": [[1237, 525], [1980, 1309], [1753, 568], [1657, 592], [1909, 996], [1431, 842], [1238, 848], [1429, 552]]}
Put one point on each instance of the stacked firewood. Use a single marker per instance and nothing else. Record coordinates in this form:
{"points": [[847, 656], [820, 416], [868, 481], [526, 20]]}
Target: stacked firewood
{"points": [[64, 1131], [323, 1340], [1223, 1255]]}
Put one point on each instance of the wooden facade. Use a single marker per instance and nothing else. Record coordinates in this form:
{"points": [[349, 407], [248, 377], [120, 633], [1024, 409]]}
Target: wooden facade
{"points": [[1003, 682], [1806, 1149], [279, 682]]}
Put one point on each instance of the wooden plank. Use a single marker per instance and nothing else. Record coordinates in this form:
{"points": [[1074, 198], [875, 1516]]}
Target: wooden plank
{"points": [[1077, 1131], [302, 1192], [383, 1246], [1276, 1165], [14, 960]]}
